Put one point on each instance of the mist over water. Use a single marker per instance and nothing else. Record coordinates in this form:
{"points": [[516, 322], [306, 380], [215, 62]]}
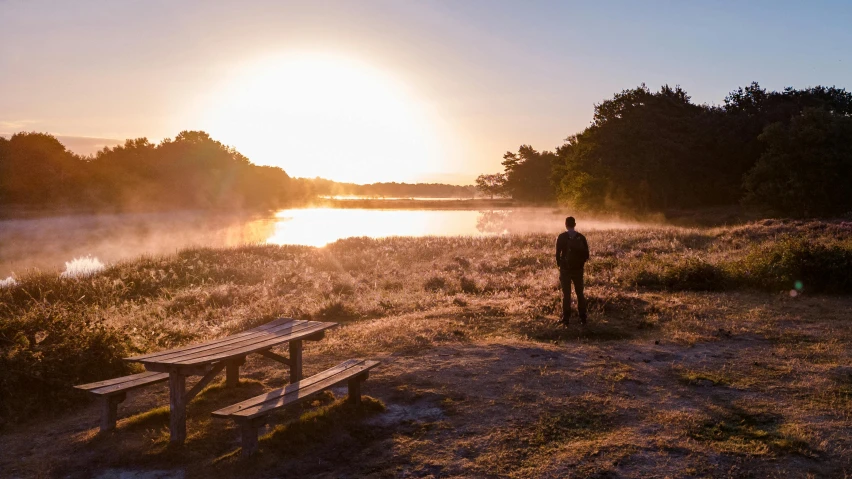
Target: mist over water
{"points": [[79, 244]]}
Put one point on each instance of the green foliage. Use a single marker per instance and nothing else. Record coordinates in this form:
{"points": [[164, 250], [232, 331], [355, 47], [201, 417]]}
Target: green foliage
{"points": [[320, 423], [491, 185], [648, 151], [191, 171], [35, 168], [739, 431], [527, 175], [820, 266], [577, 422], [436, 283], [324, 187], [682, 274], [57, 332], [655, 151], [48, 349], [807, 166]]}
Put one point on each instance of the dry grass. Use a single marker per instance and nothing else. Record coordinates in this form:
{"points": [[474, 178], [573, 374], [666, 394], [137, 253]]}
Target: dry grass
{"points": [[477, 379]]}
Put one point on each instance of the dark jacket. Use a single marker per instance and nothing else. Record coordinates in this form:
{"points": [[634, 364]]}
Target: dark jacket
{"points": [[571, 254]]}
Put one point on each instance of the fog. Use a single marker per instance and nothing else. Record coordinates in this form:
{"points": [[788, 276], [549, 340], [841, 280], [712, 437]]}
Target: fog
{"points": [[80, 244]]}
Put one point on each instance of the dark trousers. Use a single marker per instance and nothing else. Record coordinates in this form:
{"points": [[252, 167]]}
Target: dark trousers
{"points": [[566, 277]]}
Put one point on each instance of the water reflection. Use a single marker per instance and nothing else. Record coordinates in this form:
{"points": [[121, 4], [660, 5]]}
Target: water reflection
{"points": [[48, 243], [320, 226], [492, 222]]}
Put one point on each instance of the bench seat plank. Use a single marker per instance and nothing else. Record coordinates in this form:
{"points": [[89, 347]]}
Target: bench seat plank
{"points": [[111, 382], [260, 331], [272, 395], [298, 391], [126, 383], [113, 391]]}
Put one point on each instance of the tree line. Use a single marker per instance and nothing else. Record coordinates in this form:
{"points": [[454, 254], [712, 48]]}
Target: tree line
{"points": [[324, 187], [789, 151], [191, 171]]}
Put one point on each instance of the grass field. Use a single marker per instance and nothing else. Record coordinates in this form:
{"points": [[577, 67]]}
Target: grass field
{"points": [[719, 352]]}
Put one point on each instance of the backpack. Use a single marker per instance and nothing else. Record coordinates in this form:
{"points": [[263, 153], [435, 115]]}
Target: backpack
{"points": [[576, 253]]}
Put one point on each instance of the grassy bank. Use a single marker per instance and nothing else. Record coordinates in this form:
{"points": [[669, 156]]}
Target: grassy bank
{"points": [[686, 288]]}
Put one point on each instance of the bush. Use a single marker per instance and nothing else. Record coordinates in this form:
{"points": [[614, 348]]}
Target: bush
{"points": [[468, 285], [47, 351], [806, 168], [687, 274], [435, 283], [781, 264], [337, 311]]}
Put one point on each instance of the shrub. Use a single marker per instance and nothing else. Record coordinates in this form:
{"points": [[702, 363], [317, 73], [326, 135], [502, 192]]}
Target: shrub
{"points": [[435, 283], [686, 274], [45, 352], [781, 264], [468, 285], [337, 311]]}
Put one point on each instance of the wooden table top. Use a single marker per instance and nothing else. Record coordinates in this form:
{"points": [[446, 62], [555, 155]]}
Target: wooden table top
{"points": [[263, 337]]}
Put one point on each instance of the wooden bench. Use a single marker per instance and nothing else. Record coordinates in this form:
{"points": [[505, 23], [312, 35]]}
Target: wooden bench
{"points": [[113, 391], [252, 413]]}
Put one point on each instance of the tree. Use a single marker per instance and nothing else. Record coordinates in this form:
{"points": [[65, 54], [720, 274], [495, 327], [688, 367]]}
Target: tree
{"points": [[491, 185], [807, 166], [36, 169], [528, 173], [191, 171], [645, 151]]}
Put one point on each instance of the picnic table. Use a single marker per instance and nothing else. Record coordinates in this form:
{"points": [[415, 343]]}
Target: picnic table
{"points": [[229, 353]]}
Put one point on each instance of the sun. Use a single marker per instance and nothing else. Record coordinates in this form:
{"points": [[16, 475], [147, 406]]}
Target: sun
{"points": [[329, 116]]}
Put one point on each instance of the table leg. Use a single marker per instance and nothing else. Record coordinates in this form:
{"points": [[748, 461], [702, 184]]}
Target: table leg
{"points": [[295, 361], [232, 372], [177, 407]]}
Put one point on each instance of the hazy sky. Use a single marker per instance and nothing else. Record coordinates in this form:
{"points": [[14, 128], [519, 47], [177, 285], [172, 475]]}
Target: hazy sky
{"points": [[389, 90]]}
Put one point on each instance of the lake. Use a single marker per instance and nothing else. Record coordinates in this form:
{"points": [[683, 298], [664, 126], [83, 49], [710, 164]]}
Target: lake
{"points": [[48, 243]]}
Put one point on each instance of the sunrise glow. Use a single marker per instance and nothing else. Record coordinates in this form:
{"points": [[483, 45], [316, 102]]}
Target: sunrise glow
{"points": [[329, 116]]}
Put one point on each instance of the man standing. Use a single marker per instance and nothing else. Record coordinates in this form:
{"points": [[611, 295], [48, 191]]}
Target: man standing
{"points": [[572, 252]]}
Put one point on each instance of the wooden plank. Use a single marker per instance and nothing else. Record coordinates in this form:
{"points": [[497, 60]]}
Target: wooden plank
{"points": [[271, 395], [152, 378], [275, 357], [305, 393], [254, 347], [204, 381], [264, 327], [295, 392], [162, 355], [279, 332], [199, 370], [110, 382], [167, 356]]}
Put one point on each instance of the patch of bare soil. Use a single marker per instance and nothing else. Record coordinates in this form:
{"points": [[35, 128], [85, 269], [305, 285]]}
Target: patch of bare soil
{"points": [[688, 385]]}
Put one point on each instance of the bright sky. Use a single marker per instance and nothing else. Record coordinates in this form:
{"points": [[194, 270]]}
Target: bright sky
{"points": [[389, 90]]}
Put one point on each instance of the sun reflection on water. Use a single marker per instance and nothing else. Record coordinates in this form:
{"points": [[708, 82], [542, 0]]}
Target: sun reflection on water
{"points": [[321, 226]]}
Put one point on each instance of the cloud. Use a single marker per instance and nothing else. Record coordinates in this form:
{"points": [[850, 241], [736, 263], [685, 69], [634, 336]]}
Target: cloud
{"points": [[16, 124]]}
